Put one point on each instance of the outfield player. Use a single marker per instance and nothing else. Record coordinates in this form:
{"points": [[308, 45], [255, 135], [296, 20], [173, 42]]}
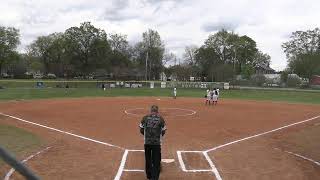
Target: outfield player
{"points": [[174, 93], [153, 127]]}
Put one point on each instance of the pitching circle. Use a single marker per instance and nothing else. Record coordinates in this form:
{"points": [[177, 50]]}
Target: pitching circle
{"points": [[163, 111]]}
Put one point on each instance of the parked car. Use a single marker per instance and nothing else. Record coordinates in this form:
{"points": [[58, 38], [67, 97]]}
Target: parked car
{"points": [[5, 75], [51, 76], [37, 76]]}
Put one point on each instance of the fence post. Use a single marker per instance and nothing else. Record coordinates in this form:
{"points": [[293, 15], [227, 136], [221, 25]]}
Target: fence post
{"points": [[17, 165]]}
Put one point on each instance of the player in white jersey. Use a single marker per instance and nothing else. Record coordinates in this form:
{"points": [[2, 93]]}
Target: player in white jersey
{"points": [[174, 93], [214, 96], [218, 90], [207, 96]]}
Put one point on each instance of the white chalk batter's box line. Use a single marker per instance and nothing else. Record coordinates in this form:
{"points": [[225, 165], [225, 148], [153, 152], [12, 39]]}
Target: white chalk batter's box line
{"points": [[123, 164], [183, 165], [212, 169]]}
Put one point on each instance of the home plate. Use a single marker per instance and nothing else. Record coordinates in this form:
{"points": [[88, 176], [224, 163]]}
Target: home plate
{"points": [[158, 99], [167, 160]]}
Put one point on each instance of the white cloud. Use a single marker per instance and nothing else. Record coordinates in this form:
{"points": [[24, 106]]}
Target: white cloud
{"points": [[179, 22]]}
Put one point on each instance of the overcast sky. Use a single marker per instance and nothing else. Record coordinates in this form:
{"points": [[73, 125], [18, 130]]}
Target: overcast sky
{"points": [[179, 22]]}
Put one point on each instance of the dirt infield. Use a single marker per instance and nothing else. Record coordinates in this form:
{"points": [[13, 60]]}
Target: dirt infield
{"points": [[98, 138]]}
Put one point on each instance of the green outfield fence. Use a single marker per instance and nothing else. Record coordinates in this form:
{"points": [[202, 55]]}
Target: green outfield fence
{"points": [[108, 84]]}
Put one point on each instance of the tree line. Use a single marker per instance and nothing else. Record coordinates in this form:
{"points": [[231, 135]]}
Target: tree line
{"points": [[85, 51], [303, 53]]}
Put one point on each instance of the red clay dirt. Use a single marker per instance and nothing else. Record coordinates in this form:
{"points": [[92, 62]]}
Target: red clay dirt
{"points": [[104, 119]]}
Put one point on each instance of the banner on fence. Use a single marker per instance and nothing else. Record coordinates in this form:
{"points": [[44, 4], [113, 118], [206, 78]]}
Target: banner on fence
{"points": [[226, 86], [152, 85], [163, 84], [202, 85]]}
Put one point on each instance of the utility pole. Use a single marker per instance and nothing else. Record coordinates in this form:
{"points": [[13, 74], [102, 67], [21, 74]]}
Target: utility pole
{"points": [[234, 67], [150, 60], [146, 75]]}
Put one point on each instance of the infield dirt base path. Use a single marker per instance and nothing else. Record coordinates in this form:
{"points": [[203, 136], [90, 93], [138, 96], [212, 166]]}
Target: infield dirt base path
{"points": [[105, 120]]}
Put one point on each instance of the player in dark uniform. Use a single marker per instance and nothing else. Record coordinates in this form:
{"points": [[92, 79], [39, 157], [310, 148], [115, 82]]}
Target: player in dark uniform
{"points": [[153, 127]]}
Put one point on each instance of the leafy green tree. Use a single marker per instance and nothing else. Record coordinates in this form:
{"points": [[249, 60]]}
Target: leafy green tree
{"points": [[229, 48], [223, 43], [247, 71], [302, 42], [57, 53], [220, 72], [120, 56], [305, 65], [284, 76], [246, 51], [20, 67], [261, 58], [9, 40], [181, 71], [151, 49], [119, 43], [87, 48], [206, 58], [50, 50], [40, 48], [303, 52]]}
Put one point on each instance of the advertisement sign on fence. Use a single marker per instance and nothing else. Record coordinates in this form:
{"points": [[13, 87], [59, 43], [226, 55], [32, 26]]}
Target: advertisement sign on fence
{"points": [[226, 86], [163, 84], [152, 85]]}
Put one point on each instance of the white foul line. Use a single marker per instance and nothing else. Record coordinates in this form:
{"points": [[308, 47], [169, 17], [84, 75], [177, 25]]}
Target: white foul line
{"points": [[264, 133], [122, 164], [254, 136], [303, 157], [64, 132], [11, 171], [215, 170]]}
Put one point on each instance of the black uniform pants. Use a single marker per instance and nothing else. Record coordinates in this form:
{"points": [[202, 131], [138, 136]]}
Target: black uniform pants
{"points": [[153, 159]]}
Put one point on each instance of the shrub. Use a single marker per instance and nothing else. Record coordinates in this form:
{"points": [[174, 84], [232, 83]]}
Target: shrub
{"points": [[258, 79], [293, 81], [23, 76], [284, 76]]}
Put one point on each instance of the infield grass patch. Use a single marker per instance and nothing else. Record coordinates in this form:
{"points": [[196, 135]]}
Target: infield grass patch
{"points": [[18, 141]]}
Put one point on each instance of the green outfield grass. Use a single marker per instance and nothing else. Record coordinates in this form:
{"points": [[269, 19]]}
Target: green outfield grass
{"points": [[18, 141], [269, 95]]}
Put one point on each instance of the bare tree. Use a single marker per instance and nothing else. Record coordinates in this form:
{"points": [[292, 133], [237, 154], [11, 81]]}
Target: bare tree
{"points": [[189, 54]]}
